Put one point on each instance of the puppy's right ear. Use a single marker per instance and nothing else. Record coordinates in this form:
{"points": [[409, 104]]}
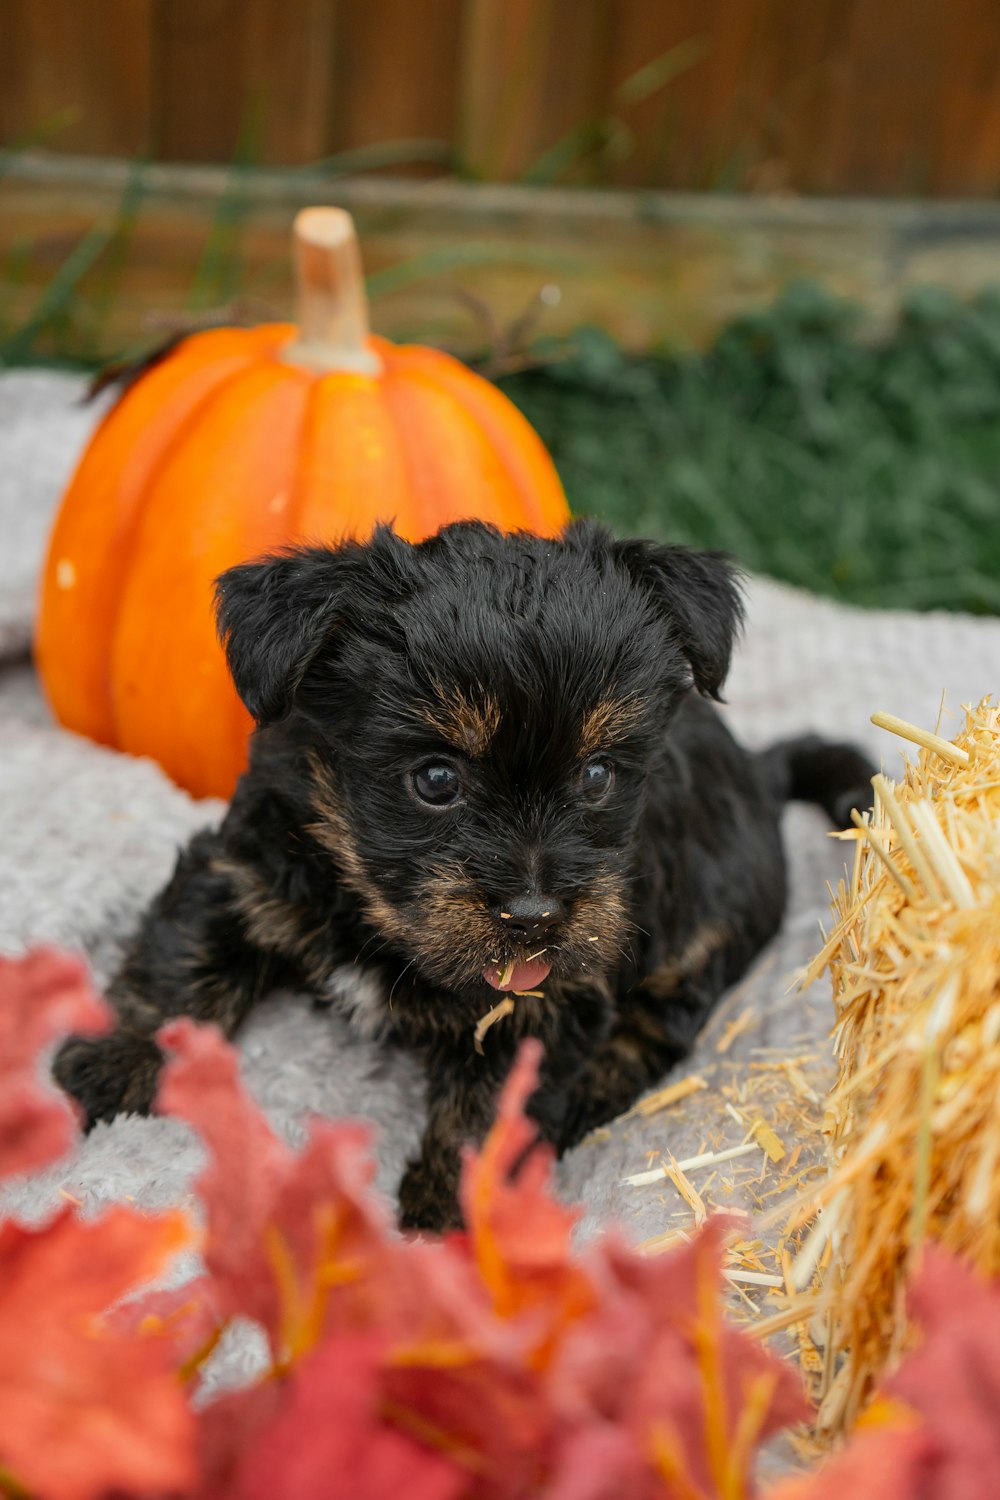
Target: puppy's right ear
{"points": [[273, 616]]}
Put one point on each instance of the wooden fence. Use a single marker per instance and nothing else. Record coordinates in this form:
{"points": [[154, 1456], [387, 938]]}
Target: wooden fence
{"points": [[816, 96]]}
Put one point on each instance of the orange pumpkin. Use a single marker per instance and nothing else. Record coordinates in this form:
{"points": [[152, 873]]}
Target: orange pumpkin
{"points": [[238, 442]]}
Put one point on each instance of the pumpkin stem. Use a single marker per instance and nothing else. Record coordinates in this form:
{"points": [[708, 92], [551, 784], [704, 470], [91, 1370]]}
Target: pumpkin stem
{"points": [[330, 295]]}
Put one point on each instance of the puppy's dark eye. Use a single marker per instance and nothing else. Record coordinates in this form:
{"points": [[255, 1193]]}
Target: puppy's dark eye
{"points": [[596, 780], [437, 783]]}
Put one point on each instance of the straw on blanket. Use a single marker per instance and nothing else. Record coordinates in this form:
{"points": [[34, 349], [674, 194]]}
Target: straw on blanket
{"points": [[913, 1123]]}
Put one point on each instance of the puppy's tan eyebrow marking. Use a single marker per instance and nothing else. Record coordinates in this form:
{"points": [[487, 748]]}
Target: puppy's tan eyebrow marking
{"points": [[469, 723], [607, 721]]}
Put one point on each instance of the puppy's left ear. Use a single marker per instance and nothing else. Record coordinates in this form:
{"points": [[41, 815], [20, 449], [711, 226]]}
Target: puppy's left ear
{"points": [[273, 616], [699, 593]]}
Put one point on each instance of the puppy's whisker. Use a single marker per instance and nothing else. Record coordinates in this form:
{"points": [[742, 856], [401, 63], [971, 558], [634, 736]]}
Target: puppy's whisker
{"points": [[363, 950], [399, 976]]}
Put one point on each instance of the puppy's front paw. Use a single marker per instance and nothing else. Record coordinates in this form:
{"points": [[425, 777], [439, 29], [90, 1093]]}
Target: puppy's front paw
{"points": [[585, 1111], [112, 1075], [598, 1096], [428, 1196]]}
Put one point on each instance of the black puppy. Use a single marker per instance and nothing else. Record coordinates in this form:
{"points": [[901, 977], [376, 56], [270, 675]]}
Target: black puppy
{"points": [[483, 764]]}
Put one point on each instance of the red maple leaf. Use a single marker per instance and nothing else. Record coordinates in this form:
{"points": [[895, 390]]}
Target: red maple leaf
{"points": [[300, 1244], [335, 1434], [502, 1349], [187, 1319], [952, 1379], [883, 1462], [633, 1357], [85, 1410], [657, 1361], [933, 1433], [43, 996], [287, 1235]]}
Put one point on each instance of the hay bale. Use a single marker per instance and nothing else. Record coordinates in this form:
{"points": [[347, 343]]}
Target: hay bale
{"points": [[913, 1122]]}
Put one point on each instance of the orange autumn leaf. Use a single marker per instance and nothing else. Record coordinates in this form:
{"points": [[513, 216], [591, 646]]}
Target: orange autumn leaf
{"points": [[43, 996], [504, 1351], [84, 1410], [519, 1235]]}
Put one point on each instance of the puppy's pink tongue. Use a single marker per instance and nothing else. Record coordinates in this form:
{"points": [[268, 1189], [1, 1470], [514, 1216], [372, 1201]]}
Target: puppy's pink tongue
{"points": [[523, 977]]}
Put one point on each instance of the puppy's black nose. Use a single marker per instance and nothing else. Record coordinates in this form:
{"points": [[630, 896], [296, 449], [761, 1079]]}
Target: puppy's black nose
{"points": [[531, 919]]}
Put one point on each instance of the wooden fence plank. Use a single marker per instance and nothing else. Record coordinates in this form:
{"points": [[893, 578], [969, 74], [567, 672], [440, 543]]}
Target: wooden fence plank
{"points": [[807, 60], [288, 65], [532, 71], [243, 78], [504, 44], [770, 95], [200, 103], [965, 145], [746, 102], [395, 72], [85, 64], [669, 138], [881, 112]]}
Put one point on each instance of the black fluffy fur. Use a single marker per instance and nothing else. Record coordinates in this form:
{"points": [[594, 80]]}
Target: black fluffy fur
{"points": [[519, 662]]}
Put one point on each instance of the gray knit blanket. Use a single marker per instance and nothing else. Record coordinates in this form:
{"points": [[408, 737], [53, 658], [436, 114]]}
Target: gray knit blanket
{"points": [[88, 835]]}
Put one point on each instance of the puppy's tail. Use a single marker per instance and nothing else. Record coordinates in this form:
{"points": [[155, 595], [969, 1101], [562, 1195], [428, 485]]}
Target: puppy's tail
{"points": [[836, 776]]}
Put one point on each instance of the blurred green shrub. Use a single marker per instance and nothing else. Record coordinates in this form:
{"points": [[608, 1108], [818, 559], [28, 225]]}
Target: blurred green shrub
{"points": [[870, 472]]}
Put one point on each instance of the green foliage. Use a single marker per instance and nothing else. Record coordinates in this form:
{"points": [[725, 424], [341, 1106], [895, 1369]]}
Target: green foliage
{"points": [[870, 472]]}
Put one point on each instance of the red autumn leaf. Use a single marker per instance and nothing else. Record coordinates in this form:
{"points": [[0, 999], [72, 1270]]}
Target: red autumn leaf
{"points": [[84, 1410], [503, 1349], [657, 1360], [247, 1164], [229, 1427], [952, 1380], [618, 1337], [286, 1234], [300, 1244], [484, 1404], [452, 1365], [934, 1432], [879, 1463], [43, 996], [186, 1319], [601, 1462], [335, 1436]]}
